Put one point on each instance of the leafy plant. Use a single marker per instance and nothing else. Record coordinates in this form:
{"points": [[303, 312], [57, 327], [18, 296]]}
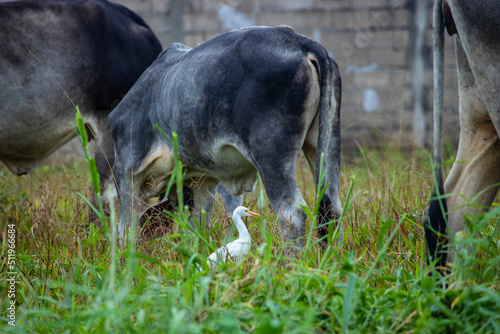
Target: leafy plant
{"points": [[74, 279]]}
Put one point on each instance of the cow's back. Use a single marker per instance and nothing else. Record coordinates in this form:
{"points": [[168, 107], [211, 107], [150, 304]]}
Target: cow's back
{"points": [[55, 54], [196, 91]]}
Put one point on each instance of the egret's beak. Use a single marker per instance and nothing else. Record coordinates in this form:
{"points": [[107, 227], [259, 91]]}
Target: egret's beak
{"points": [[253, 213]]}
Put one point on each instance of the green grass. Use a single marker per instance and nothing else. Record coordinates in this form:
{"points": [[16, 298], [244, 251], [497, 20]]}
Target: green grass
{"points": [[75, 280]]}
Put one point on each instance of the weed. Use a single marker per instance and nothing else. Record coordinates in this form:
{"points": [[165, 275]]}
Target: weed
{"points": [[76, 280]]}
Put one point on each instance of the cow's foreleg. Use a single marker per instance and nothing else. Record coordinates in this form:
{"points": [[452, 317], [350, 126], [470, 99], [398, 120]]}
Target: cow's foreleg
{"points": [[131, 204], [104, 158], [104, 155]]}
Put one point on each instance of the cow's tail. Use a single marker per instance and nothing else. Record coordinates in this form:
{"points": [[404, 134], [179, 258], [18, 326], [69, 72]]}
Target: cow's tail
{"points": [[329, 141], [435, 225]]}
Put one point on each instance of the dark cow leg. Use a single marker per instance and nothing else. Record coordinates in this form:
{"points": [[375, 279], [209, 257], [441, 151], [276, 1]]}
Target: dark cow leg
{"points": [[130, 202], [203, 192], [285, 197], [330, 207], [104, 154], [474, 177], [100, 135], [130, 205], [229, 201], [323, 139], [327, 210], [104, 158], [325, 215]]}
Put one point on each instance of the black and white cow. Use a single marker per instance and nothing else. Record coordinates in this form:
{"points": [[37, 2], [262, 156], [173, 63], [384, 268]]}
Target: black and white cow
{"points": [[54, 54], [246, 101], [474, 179]]}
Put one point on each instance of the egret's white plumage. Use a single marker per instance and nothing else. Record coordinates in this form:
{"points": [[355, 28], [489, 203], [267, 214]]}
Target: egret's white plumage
{"points": [[237, 248]]}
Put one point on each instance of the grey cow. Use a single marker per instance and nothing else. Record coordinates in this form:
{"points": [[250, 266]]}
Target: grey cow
{"points": [[475, 175], [54, 53], [246, 101]]}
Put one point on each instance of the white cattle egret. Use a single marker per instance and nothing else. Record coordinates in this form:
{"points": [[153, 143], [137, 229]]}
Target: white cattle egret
{"points": [[237, 248]]}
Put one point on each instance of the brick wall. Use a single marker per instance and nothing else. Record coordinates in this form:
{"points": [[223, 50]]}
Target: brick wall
{"points": [[369, 39]]}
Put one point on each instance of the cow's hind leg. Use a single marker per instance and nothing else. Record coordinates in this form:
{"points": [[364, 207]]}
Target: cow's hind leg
{"points": [[202, 191], [229, 201], [328, 144], [326, 211], [285, 197], [474, 178]]}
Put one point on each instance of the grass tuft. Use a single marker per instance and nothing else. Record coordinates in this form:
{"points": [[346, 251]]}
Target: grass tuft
{"points": [[75, 279]]}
